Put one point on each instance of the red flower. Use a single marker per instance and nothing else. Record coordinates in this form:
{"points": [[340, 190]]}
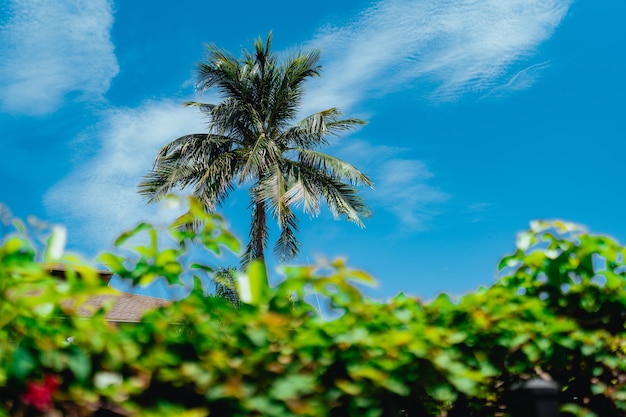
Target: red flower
{"points": [[39, 393]]}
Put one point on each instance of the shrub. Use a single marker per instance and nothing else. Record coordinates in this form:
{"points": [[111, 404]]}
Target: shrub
{"points": [[557, 312]]}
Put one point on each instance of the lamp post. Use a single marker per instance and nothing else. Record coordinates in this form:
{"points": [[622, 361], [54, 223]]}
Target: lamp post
{"points": [[534, 398]]}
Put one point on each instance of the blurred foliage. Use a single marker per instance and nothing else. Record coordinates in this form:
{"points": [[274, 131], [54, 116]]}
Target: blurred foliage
{"points": [[556, 312]]}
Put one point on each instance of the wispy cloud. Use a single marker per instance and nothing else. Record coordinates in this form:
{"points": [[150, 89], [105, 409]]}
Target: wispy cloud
{"points": [[51, 48], [448, 47], [477, 212], [403, 190], [402, 185], [100, 197], [521, 80]]}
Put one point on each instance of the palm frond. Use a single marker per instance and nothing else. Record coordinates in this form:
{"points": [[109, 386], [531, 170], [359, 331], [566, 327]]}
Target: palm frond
{"points": [[217, 180], [298, 191], [287, 245], [171, 168], [258, 235], [270, 187], [204, 107], [302, 66], [259, 158], [157, 183], [313, 130], [333, 166], [184, 162], [287, 92], [222, 71], [341, 198], [272, 190], [226, 286]]}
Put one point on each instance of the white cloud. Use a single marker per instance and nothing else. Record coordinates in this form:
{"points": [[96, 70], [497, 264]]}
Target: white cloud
{"points": [[403, 189], [50, 48], [99, 199], [448, 48], [451, 47], [402, 185], [521, 80]]}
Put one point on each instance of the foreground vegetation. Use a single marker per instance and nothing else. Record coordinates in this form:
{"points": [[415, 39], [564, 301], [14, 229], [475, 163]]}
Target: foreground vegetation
{"points": [[557, 312]]}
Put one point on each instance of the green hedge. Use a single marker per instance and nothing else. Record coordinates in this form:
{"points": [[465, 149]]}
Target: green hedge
{"points": [[557, 312]]}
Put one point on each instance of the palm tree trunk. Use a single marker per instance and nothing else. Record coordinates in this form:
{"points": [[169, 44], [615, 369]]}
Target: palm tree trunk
{"points": [[260, 240]]}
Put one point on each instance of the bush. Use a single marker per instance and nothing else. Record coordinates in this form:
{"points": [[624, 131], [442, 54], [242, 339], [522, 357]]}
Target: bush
{"points": [[557, 312]]}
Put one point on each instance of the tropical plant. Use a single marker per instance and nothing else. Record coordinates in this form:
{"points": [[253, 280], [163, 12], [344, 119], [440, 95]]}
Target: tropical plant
{"points": [[225, 281], [253, 141], [558, 311]]}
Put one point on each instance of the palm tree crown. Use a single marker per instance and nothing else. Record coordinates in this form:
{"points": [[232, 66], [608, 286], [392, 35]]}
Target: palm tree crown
{"points": [[253, 141]]}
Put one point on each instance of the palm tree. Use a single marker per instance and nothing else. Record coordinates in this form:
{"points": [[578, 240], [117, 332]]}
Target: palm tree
{"points": [[253, 141], [225, 281]]}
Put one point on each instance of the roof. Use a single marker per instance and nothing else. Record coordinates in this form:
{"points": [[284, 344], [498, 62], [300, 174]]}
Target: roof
{"points": [[126, 307]]}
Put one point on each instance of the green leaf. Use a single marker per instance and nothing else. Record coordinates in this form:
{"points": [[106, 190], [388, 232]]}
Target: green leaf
{"points": [[80, 365], [577, 410], [23, 363], [131, 233], [293, 386], [56, 244], [396, 386], [253, 287], [349, 387], [114, 262], [44, 310], [443, 392], [465, 385], [264, 405]]}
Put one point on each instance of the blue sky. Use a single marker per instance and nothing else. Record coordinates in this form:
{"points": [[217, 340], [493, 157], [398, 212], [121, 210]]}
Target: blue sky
{"points": [[482, 116]]}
